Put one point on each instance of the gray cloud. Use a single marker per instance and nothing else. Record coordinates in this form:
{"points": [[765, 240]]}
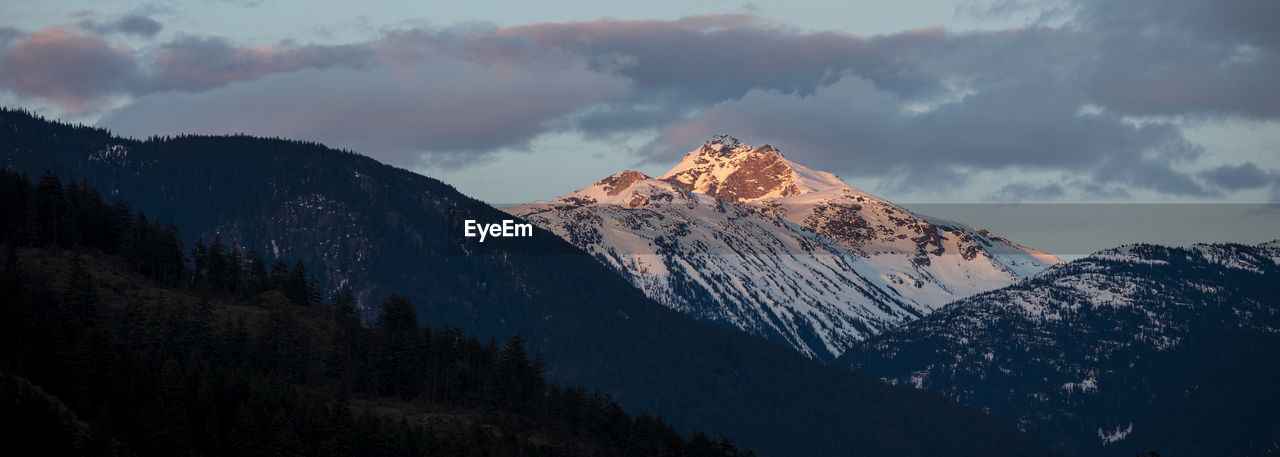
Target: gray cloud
{"points": [[200, 63], [1024, 191], [724, 56], [1224, 22], [1033, 99], [689, 64], [457, 110], [922, 109], [8, 35], [1175, 57], [1164, 70], [1239, 177], [82, 72], [1004, 8], [854, 128], [133, 24]]}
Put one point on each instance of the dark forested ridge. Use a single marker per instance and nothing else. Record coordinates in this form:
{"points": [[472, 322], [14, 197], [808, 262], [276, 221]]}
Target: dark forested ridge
{"points": [[114, 345], [382, 230]]}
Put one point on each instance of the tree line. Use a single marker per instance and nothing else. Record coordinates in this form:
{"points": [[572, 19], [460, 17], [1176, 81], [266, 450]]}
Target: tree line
{"points": [[47, 213]]}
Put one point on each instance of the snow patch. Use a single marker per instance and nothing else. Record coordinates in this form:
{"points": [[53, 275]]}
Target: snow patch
{"points": [[111, 153], [1116, 435]]}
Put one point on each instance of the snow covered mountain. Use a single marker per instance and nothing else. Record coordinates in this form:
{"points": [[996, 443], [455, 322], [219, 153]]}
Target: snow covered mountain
{"points": [[1133, 348], [741, 236], [876, 229]]}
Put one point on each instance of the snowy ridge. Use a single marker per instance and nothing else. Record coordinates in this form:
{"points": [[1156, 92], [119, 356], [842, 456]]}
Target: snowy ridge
{"points": [[1224, 255], [1069, 348], [728, 264], [741, 235]]}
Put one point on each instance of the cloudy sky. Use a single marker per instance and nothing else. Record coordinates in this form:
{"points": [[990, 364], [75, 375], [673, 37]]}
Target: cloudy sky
{"points": [[930, 101]]}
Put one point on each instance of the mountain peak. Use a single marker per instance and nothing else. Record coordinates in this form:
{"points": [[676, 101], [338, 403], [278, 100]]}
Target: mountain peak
{"points": [[726, 168], [620, 181], [724, 145], [723, 141]]}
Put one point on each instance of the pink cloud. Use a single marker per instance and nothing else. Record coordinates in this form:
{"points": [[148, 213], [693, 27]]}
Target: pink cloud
{"points": [[78, 73]]}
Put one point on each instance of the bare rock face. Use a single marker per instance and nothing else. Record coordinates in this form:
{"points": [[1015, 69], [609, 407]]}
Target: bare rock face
{"points": [[842, 223], [619, 182]]}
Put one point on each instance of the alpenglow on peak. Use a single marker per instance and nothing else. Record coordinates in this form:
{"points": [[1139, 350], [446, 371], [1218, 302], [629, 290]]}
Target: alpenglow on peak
{"points": [[730, 218], [728, 145], [725, 140], [732, 171]]}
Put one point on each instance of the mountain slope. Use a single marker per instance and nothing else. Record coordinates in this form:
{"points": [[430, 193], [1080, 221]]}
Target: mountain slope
{"points": [[1130, 349], [382, 229], [726, 263], [743, 237]]}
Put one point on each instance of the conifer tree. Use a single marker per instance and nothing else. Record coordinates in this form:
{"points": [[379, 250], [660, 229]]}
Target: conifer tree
{"points": [[279, 273], [199, 264], [80, 296], [341, 358], [169, 260], [235, 270], [397, 314], [48, 200], [217, 271], [296, 286], [396, 364], [257, 281], [344, 302]]}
